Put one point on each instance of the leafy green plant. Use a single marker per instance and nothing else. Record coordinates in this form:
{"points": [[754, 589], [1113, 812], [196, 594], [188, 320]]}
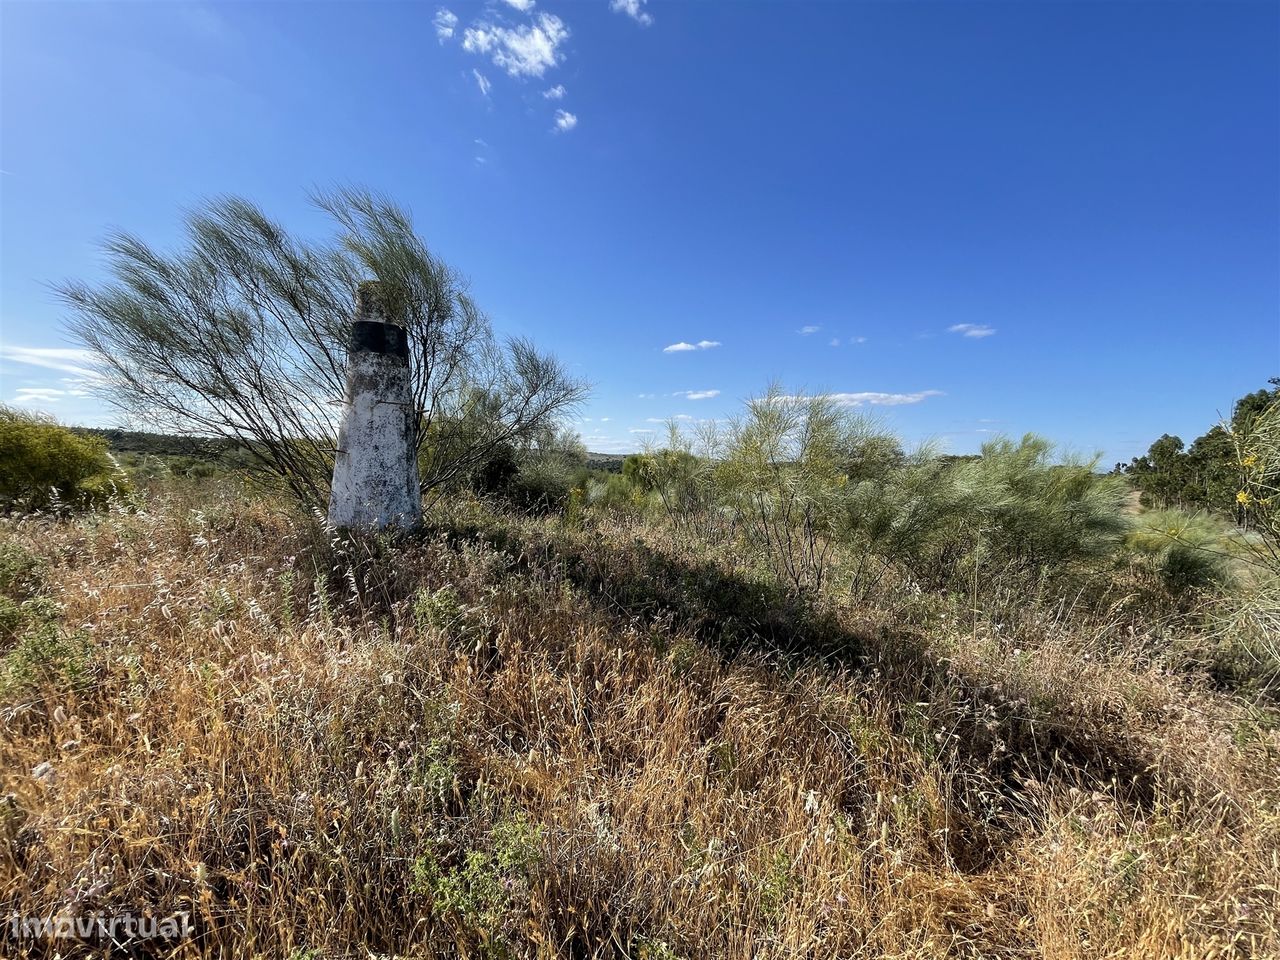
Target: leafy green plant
{"points": [[439, 610], [42, 463], [484, 890], [44, 652]]}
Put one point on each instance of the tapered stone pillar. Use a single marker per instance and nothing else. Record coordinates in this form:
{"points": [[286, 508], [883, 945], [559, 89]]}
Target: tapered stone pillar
{"points": [[375, 472]]}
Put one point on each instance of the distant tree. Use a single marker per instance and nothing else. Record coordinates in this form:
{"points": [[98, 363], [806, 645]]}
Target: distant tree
{"points": [[1213, 475], [1208, 474], [1162, 474], [1249, 407], [242, 335]]}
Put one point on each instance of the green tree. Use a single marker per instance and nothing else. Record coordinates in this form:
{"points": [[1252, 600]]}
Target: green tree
{"points": [[242, 335], [1163, 473]]}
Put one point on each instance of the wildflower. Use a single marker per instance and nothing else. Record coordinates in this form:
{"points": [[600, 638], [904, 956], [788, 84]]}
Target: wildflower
{"points": [[1250, 461], [1243, 498]]}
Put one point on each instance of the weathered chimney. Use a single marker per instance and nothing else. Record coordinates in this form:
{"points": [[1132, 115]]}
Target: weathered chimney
{"points": [[375, 472]]}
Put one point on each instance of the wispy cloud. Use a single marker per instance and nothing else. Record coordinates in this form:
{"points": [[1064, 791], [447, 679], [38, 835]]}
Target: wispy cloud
{"points": [[555, 93], [633, 9], [524, 6], [523, 51], [445, 22], [875, 399], [646, 396], [27, 395], [683, 347], [696, 394], [67, 359], [971, 329], [808, 330], [835, 342], [565, 121], [482, 82]]}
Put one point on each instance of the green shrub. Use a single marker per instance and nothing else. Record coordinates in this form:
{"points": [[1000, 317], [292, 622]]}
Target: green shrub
{"points": [[42, 463], [1032, 513], [44, 652], [543, 484], [34, 649], [616, 491], [484, 891], [21, 583], [1186, 551], [785, 476]]}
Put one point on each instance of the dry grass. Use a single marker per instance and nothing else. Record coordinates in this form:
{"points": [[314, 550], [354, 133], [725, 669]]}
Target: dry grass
{"points": [[512, 738]]}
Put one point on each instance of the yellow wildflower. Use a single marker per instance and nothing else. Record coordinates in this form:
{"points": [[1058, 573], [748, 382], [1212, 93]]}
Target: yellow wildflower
{"points": [[1243, 497]]}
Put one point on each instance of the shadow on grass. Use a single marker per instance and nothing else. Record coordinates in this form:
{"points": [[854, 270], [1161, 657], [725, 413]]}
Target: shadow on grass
{"points": [[1012, 743]]}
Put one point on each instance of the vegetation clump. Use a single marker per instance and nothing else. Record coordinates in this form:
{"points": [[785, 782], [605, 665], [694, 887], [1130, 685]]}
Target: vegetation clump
{"points": [[43, 464]]}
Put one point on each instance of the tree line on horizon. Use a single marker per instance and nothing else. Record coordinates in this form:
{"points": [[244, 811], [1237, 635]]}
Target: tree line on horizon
{"points": [[1207, 474]]}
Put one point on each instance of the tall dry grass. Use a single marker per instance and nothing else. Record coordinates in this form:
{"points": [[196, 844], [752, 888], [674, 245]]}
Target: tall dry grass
{"points": [[512, 738]]}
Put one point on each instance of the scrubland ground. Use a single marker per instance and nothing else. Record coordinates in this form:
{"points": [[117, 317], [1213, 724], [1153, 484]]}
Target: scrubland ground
{"points": [[527, 737]]}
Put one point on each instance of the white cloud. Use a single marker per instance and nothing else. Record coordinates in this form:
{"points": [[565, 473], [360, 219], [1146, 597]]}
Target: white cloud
{"points": [[525, 51], [646, 396], [696, 394], [858, 340], [482, 82], [76, 386], [881, 399], [565, 121], [445, 22], [555, 93], [684, 417], [38, 395], [524, 6], [835, 341], [972, 329], [605, 419], [808, 329], [67, 359], [633, 9], [683, 347], [638, 430]]}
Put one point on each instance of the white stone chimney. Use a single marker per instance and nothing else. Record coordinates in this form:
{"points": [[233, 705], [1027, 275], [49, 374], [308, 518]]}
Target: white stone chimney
{"points": [[375, 473]]}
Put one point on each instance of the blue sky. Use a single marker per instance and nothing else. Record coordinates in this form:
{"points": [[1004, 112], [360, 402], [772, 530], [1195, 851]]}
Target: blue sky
{"points": [[968, 217]]}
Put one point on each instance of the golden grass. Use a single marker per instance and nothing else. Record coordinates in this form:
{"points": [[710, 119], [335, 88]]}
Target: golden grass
{"points": [[531, 741]]}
